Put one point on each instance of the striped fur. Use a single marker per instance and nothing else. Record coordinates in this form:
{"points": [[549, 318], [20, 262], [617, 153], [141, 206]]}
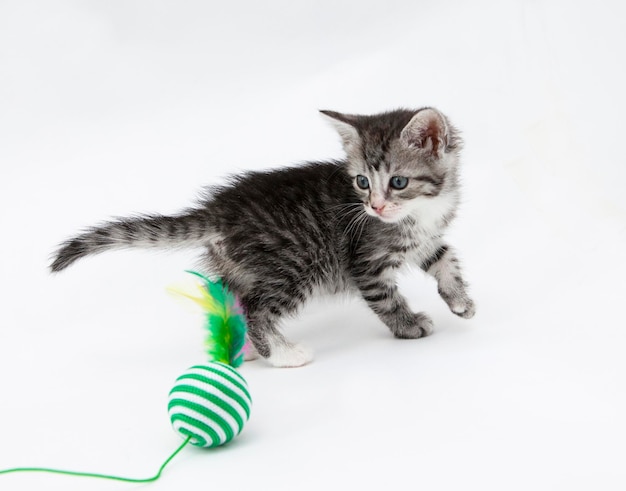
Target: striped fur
{"points": [[281, 236]]}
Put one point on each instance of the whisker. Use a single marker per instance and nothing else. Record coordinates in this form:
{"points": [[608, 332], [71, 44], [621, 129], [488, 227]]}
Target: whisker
{"points": [[363, 223], [343, 205], [354, 221], [344, 213], [345, 208]]}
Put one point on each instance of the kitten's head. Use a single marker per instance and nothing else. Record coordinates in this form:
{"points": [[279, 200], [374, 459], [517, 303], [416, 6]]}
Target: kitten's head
{"points": [[399, 159]]}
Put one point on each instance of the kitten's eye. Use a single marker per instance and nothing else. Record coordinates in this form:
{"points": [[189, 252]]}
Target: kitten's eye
{"points": [[362, 182], [398, 182]]}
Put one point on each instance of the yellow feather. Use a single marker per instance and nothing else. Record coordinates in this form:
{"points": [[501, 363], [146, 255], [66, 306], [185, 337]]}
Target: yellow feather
{"points": [[199, 296]]}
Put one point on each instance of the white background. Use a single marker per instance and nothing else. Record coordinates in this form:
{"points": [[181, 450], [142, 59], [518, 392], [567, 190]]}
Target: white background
{"points": [[115, 107]]}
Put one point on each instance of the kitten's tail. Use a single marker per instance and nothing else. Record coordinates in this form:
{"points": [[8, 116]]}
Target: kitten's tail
{"points": [[147, 231]]}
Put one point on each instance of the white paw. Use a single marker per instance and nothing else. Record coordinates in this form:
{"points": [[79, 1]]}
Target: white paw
{"points": [[463, 307], [289, 355], [458, 302]]}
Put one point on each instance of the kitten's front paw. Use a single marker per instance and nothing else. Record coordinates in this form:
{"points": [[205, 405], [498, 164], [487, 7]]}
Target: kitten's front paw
{"points": [[459, 303], [465, 309], [420, 325], [290, 356]]}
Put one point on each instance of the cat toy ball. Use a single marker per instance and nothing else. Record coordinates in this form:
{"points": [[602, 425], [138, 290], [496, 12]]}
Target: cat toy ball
{"points": [[210, 403]]}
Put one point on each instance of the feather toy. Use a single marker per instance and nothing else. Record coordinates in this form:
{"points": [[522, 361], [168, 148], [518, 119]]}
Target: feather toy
{"points": [[225, 320]]}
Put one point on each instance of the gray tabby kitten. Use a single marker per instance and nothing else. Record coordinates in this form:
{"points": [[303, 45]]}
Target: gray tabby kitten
{"points": [[280, 236]]}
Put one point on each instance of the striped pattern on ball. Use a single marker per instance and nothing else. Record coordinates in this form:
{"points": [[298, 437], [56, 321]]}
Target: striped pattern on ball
{"points": [[209, 403]]}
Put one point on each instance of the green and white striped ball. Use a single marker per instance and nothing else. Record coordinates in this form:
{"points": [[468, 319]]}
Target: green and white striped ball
{"points": [[209, 403]]}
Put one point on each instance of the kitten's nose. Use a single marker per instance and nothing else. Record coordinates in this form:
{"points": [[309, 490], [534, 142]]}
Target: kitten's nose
{"points": [[378, 203]]}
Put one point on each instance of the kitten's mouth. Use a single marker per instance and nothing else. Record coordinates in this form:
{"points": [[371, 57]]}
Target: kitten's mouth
{"points": [[384, 215]]}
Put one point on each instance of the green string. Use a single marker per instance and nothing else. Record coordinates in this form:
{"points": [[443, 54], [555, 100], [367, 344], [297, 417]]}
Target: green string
{"points": [[99, 476]]}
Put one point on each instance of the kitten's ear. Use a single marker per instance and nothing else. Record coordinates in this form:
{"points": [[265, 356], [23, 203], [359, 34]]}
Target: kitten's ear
{"points": [[345, 125], [427, 130]]}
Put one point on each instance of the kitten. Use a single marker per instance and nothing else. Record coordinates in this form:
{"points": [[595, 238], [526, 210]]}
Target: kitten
{"points": [[278, 237]]}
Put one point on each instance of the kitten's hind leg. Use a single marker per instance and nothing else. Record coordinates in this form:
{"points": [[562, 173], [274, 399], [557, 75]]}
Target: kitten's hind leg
{"points": [[271, 344], [285, 354]]}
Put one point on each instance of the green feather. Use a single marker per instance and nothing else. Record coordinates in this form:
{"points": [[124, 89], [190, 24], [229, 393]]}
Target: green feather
{"points": [[225, 323]]}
